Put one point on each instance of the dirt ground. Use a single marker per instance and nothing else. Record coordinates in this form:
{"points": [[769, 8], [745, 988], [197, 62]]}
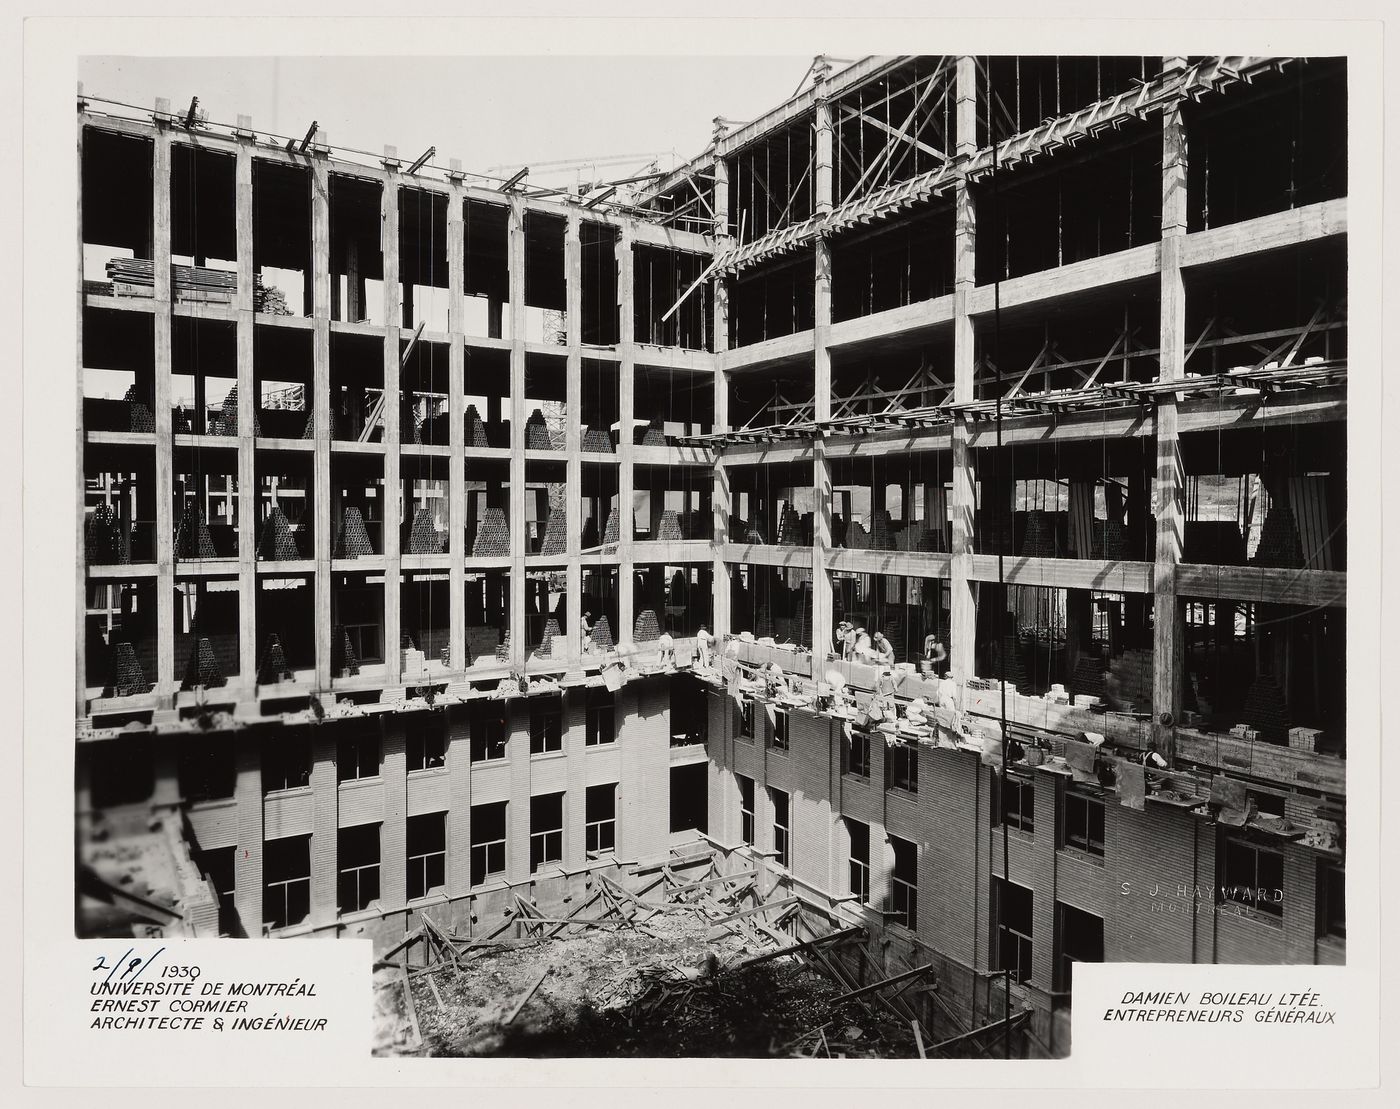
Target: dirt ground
{"points": [[659, 990]]}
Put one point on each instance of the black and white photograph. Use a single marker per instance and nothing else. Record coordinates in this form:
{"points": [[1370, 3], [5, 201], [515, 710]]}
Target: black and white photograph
{"points": [[808, 555]]}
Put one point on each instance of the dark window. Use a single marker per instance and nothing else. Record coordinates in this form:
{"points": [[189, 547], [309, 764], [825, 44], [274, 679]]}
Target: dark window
{"points": [[488, 841], [1013, 803], [904, 882], [427, 741], [902, 768], [780, 731], [1084, 823], [217, 864], [286, 760], [1252, 875], [857, 745], [1012, 906], [546, 732], [690, 797], [286, 881], [746, 822], [860, 859], [600, 819], [601, 718], [690, 712], [488, 728], [546, 830], [358, 858], [357, 755], [782, 827], [206, 769], [1270, 804], [427, 853], [1080, 940], [746, 719], [1332, 895]]}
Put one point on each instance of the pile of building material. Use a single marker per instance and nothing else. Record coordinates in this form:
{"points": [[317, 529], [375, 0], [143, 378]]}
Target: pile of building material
{"points": [[353, 540], [597, 440], [136, 277], [492, 535]]}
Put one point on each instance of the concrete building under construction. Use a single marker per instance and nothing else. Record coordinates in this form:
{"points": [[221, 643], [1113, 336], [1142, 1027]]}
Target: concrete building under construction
{"points": [[405, 495]]}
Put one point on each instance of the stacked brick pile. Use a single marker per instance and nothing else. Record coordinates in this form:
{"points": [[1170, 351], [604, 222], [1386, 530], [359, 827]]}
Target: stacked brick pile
{"points": [[192, 538], [647, 628], [1266, 710], [882, 536], [537, 433], [423, 537], [127, 678], [353, 540], [601, 636], [1279, 545], [1015, 665], [202, 669], [597, 440], [610, 532], [273, 668], [1088, 676], [763, 623], [555, 542], [492, 535], [993, 532], [475, 430], [102, 543], [1039, 541], [551, 633], [141, 416], [481, 642], [409, 429], [278, 544], [226, 422], [856, 538], [344, 662], [789, 527], [655, 435], [669, 526], [309, 432], [1132, 671]]}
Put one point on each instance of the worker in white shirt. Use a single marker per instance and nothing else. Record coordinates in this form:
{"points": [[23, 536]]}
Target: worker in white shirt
{"points": [[884, 649], [703, 640], [934, 652], [860, 650], [840, 639], [848, 646], [668, 650]]}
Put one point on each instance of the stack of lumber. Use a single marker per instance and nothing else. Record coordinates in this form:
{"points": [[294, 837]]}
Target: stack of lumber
{"points": [[136, 277]]}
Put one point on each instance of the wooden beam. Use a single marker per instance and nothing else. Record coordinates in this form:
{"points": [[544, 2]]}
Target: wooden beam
{"points": [[906, 976]]}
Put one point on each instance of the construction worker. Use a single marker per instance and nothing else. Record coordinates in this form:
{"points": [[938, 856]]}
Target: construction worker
{"points": [[884, 649], [934, 652], [703, 639], [668, 650], [840, 639], [587, 625], [860, 648], [848, 646]]}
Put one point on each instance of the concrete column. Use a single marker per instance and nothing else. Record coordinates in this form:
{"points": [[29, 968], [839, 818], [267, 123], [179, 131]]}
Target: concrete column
{"points": [[821, 467], [1168, 668], [248, 857], [626, 414], [321, 400], [166, 684], [393, 833], [325, 829], [80, 473], [573, 437], [247, 411], [393, 487], [515, 511], [720, 495], [456, 408], [962, 645]]}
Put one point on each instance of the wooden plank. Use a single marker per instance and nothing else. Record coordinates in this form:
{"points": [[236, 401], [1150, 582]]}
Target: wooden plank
{"points": [[802, 947], [918, 1038], [756, 909], [515, 1012], [908, 975]]}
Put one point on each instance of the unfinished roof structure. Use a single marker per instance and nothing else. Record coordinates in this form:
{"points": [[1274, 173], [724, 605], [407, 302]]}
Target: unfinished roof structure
{"points": [[923, 512]]}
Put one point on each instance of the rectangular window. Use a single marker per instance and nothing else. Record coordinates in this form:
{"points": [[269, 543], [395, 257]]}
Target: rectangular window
{"points": [[1332, 900], [782, 827], [488, 730], [904, 882], [746, 719], [357, 853], [1013, 803], [217, 864], [427, 854], [601, 718], [546, 830], [857, 746], [1012, 909], [780, 731], [286, 762], [860, 859], [546, 730], [488, 842], [600, 819], [1252, 875], [1079, 939], [902, 768], [426, 741], [746, 809], [1084, 823], [206, 770], [286, 881], [357, 754], [690, 711]]}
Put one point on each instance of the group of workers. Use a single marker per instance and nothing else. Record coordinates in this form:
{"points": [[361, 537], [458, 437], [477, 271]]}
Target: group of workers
{"points": [[854, 644]]}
